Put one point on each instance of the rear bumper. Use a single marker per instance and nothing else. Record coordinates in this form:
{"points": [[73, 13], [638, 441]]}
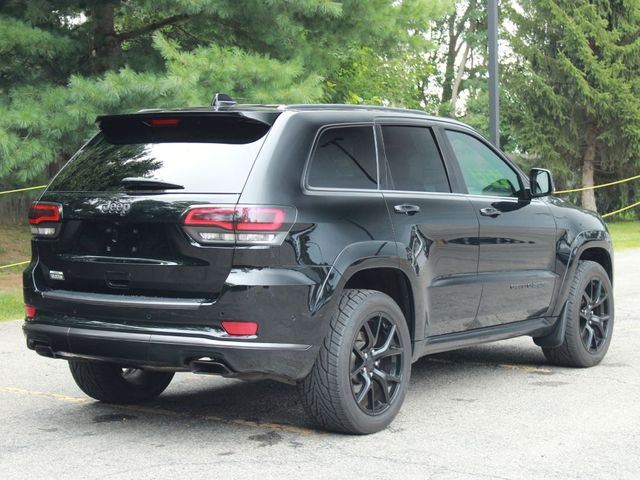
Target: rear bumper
{"points": [[163, 348], [170, 333]]}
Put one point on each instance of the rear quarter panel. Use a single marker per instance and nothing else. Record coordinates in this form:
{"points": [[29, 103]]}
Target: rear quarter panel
{"points": [[333, 231]]}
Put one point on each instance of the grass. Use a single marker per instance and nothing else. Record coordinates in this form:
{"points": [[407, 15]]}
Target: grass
{"points": [[625, 234], [11, 306], [15, 247]]}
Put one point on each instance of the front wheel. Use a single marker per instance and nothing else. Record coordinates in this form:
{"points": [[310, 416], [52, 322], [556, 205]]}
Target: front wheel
{"points": [[361, 374], [589, 319], [112, 383]]}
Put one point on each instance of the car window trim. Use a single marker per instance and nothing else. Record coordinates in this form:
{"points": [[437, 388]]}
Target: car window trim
{"points": [[307, 167], [410, 122]]}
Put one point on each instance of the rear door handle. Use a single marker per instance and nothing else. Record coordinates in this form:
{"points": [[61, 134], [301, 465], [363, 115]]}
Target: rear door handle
{"points": [[406, 209], [490, 212]]}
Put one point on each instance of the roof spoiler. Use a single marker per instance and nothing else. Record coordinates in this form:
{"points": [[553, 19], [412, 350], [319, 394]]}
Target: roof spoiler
{"points": [[266, 118]]}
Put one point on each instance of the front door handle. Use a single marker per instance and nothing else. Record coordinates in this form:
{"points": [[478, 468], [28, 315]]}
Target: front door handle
{"points": [[406, 209], [490, 212]]}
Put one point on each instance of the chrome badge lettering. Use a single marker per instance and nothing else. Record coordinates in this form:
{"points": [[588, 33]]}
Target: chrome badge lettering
{"points": [[56, 275], [526, 285], [118, 208]]}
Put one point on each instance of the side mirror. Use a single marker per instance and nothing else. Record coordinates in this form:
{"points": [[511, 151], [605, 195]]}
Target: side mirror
{"points": [[540, 183]]}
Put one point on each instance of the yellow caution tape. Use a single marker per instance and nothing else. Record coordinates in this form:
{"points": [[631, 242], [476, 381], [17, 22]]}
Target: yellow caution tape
{"points": [[637, 204], [22, 189], [597, 186], [14, 264]]}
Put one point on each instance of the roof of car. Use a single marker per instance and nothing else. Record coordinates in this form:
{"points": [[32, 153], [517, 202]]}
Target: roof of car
{"points": [[326, 107]]}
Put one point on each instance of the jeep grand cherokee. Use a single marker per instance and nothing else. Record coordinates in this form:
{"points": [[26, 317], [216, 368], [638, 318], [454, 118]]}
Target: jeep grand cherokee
{"points": [[327, 245]]}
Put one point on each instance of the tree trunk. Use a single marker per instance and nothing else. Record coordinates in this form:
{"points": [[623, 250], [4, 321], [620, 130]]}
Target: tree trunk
{"points": [[450, 63], [106, 46], [588, 161], [459, 75], [54, 167]]}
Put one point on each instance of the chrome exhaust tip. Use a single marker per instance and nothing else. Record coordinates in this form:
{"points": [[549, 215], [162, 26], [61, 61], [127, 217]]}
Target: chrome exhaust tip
{"points": [[209, 366]]}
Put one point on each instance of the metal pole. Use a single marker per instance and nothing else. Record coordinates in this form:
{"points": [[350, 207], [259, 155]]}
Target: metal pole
{"points": [[494, 100]]}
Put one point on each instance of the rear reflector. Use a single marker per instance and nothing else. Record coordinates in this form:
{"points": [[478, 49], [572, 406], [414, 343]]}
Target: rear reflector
{"points": [[29, 311], [240, 328], [44, 212], [242, 225]]}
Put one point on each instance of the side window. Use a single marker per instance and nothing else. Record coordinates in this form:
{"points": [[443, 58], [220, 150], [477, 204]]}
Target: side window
{"points": [[414, 160], [345, 157], [484, 172]]}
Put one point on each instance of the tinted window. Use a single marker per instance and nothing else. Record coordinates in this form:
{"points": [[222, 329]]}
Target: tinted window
{"points": [[414, 160], [345, 158], [484, 172], [187, 156]]}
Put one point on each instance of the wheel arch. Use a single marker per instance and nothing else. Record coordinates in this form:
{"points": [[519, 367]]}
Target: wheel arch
{"points": [[599, 255], [594, 245], [393, 282], [375, 265]]}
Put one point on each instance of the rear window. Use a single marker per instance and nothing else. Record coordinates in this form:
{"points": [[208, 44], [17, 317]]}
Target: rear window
{"points": [[414, 161], [204, 155], [345, 157]]}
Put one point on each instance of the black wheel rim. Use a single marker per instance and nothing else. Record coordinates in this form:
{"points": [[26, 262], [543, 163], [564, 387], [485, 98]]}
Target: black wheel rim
{"points": [[377, 359], [595, 315]]}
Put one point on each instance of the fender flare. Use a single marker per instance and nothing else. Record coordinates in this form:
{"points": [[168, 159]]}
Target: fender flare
{"points": [[585, 240], [365, 256]]}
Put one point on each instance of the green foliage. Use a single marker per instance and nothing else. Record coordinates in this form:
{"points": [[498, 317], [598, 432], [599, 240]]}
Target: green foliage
{"points": [[625, 234], [15, 246], [366, 77], [571, 76], [576, 71], [11, 306], [43, 125], [29, 54], [384, 60], [66, 61]]}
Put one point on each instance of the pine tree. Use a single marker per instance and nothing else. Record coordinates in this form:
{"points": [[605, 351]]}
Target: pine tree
{"points": [[65, 61], [575, 86]]}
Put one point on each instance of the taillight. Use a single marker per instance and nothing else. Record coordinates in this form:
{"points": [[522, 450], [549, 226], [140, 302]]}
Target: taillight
{"points": [[48, 214], [242, 225]]}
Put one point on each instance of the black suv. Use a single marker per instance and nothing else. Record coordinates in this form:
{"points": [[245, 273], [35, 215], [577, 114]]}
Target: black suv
{"points": [[327, 245]]}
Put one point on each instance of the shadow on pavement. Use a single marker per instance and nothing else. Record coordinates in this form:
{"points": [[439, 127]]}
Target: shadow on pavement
{"points": [[275, 405]]}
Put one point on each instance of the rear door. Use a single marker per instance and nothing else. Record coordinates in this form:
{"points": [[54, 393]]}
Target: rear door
{"points": [[437, 229], [517, 237], [342, 198], [123, 198]]}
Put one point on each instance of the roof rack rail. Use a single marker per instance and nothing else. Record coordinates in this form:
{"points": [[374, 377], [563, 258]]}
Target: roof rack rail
{"points": [[341, 106]]}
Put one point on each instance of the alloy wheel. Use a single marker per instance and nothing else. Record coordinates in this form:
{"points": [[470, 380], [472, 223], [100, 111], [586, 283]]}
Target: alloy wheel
{"points": [[376, 365], [595, 314]]}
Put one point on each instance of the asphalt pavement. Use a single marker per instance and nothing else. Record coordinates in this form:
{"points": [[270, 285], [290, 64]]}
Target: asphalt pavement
{"points": [[494, 411]]}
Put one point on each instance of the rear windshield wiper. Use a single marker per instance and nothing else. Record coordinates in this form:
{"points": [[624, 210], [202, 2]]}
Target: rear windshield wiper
{"points": [[141, 183]]}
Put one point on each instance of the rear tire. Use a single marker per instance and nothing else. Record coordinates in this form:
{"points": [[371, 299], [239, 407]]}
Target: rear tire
{"points": [[112, 383], [590, 315], [366, 353]]}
